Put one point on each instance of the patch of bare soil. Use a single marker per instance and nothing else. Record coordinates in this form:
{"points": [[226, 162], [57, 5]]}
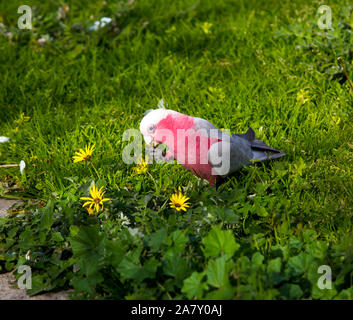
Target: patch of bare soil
{"points": [[9, 291], [8, 285]]}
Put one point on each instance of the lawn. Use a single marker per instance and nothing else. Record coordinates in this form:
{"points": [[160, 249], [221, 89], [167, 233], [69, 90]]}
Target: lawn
{"points": [[263, 234]]}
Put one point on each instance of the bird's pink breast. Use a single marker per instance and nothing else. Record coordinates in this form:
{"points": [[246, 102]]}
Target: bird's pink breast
{"points": [[191, 149]]}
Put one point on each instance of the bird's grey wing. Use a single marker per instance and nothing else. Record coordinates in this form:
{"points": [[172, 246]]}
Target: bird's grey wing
{"points": [[260, 150], [207, 128], [229, 155]]}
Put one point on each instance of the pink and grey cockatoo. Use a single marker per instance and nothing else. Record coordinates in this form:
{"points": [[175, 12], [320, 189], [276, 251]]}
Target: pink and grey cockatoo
{"points": [[199, 146]]}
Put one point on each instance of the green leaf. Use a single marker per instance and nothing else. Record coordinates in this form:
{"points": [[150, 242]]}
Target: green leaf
{"points": [[175, 265], [262, 212], [227, 215], [115, 252], [324, 294], [219, 242], [243, 264], [312, 274], [74, 230], [179, 240], [156, 239], [128, 269], [281, 251], [300, 263], [194, 286], [130, 266], [150, 267], [88, 246], [217, 272], [274, 265], [291, 291], [294, 243], [28, 239], [257, 259], [40, 283], [309, 235], [225, 293], [346, 294], [87, 284], [317, 249], [47, 216], [87, 239], [57, 237], [69, 213]]}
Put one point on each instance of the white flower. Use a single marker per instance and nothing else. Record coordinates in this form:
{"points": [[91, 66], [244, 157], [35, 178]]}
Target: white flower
{"points": [[124, 220], [22, 166], [135, 232], [28, 255], [100, 23], [4, 139]]}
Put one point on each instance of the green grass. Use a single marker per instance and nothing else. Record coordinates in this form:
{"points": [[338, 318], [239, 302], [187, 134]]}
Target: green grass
{"points": [[254, 68]]}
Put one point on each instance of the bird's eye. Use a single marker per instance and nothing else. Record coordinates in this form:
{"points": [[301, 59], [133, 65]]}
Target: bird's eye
{"points": [[151, 129]]}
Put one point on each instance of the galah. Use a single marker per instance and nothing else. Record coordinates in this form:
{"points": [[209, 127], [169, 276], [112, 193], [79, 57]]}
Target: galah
{"points": [[199, 146]]}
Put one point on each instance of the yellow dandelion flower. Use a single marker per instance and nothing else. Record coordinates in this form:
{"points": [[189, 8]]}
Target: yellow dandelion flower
{"points": [[142, 166], [171, 30], [178, 201], [22, 119], [336, 120], [96, 199], [206, 27], [84, 154], [303, 96]]}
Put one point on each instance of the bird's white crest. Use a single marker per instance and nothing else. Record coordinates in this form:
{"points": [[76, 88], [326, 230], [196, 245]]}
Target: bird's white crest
{"points": [[147, 111], [161, 104], [4, 139]]}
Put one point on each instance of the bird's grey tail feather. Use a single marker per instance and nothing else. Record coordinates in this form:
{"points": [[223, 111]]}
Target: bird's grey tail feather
{"points": [[261, 150], [249, 135]]}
